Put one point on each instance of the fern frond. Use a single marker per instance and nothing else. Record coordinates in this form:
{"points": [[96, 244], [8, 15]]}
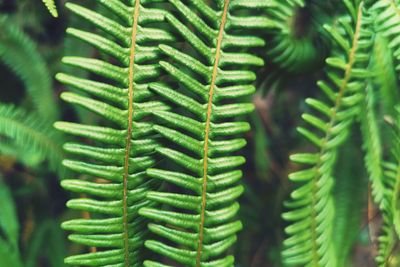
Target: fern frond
{"points": [[349, 197], [390, 235], [294, 51], [385, 74], [372, 144], [198, 224], [119, 152], [32, 134], [311, 206], [387, 21], [19, 53], [51, 6]]}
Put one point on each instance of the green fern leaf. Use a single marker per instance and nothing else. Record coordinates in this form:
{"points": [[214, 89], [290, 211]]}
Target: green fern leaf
{"points": [[208, 81], [31, 133], [390, 207], [390, 234], [51, 6], [372, 144], [387, 21], [292, 51], [311, 206], [386, 77], [350, 194], [19, 52], [120, 151]]}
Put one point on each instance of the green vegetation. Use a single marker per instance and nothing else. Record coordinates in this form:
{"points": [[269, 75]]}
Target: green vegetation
{"points": [[200, 133]]}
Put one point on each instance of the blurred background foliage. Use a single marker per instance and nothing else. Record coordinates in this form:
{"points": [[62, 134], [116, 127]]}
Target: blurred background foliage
{"points": [[32, 202]]}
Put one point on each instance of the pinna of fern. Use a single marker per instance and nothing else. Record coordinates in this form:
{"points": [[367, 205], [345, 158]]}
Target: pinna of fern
{"points": [[311, 208], [51, 6], [198, 224], [119, 152]]}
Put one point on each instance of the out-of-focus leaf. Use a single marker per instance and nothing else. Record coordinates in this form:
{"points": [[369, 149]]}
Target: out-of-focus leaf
{"points": [[9, 256], [48, 241], [8, 218]]}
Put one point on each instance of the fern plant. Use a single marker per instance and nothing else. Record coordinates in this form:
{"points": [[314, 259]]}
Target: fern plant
{"points": [[312, 207], [170, 86], [123, 152]]}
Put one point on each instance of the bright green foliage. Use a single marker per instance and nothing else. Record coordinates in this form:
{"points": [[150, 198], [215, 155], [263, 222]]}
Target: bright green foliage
{"points": [[390, 206], [372, 143], [200, 221], [19, 52], [33, 136], [51, 6], [387, 21], [350, 197], [119, 152], [312, 209], [390, 235], [385, 81]]}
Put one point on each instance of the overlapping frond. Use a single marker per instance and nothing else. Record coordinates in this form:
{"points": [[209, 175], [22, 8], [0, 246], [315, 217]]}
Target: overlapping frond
{"points": [[309, 241], [31, 134], [19, 52], [51, 6], [208, 81], [115, 156]]}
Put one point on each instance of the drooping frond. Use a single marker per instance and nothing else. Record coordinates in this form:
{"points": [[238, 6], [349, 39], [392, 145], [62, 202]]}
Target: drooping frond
{"points": [[312, 209], [19, 52], [350, 197], [390, 233], [372, 143], [119, 152], [198, 224], [33, 136], [51, 6]]}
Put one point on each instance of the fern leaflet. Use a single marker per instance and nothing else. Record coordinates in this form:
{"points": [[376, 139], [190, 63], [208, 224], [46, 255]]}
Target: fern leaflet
{"points": [[51, 6]]}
